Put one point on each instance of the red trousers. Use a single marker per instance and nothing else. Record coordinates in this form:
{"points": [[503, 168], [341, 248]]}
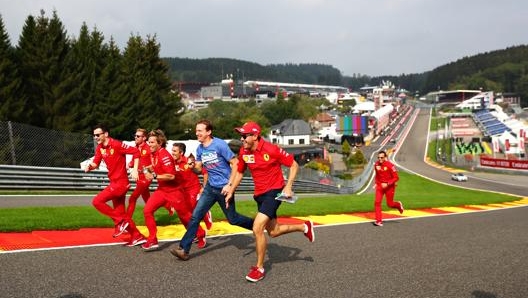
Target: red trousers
{"points": [[115, 192], [389, 196], [175, 199], [142, 189]]}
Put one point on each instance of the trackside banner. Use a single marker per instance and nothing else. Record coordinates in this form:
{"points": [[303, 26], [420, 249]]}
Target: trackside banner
{"points": [[504, 163]]}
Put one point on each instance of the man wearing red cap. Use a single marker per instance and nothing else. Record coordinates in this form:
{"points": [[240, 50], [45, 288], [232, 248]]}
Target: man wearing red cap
{"points": [[264, 161]]}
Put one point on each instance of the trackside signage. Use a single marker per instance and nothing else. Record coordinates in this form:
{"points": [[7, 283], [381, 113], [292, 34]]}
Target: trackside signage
{"points": [[504, 163]]}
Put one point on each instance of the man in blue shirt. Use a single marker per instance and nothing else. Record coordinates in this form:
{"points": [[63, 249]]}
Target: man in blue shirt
{"points": [[220, 162]]}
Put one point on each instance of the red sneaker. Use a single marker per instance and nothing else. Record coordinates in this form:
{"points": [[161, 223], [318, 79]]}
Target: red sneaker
{"points": [[400, 208], [150, 245], [120, 228], [208, 220], [202, 242], [310, 230], [136, 241], [255, 274]]}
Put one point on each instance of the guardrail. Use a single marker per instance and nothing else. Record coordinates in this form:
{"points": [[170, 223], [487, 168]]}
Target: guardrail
{"points": [[50, 178]]}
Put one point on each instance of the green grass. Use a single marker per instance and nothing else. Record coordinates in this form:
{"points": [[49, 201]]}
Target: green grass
{"points": [[415, 192]]}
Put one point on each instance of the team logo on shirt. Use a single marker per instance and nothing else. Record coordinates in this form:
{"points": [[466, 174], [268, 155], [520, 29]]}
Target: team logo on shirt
{"points": [[112, 151], [266, 156], [144, 152], [248, 158]]}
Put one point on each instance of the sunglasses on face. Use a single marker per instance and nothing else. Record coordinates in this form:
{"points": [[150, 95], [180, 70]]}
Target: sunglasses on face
{"points": [[245, 136], [137, 137], [96, 135]]}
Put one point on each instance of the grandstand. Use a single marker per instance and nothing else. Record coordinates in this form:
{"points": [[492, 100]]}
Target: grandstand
{"points": [[489, 124]]}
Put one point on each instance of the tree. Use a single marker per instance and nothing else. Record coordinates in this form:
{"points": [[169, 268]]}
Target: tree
{"points": [[41, 52], [12, 102]]}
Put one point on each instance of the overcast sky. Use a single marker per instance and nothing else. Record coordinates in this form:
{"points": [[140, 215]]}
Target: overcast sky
{"points": [[372, 37]]}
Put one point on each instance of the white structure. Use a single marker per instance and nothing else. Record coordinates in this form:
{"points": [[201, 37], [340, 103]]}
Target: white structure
{"points": [[479, 101], [290, 132]]}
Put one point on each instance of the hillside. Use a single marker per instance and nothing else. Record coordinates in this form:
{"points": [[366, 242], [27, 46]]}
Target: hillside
{"points": [[503, 70]]}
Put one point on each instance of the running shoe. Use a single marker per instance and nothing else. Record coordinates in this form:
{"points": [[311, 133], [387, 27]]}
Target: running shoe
{"points": [[208, 219], [150, 245], [400, 207], [137, 241], [255, 274], [309, 230], [120, 228]]}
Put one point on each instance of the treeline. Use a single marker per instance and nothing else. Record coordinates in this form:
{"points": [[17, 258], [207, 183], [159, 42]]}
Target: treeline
{"points": [[501, 71], [213, 70], [54, 81], [69, 84]]}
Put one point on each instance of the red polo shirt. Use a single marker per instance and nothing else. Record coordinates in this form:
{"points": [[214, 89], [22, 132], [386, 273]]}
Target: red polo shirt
{"points": [[265, 165], [385, 172], [190, 179], [114, 155], [163, 163]]}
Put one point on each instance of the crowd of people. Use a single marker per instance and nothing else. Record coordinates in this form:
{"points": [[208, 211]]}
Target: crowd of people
{"points": [[180, 190]]}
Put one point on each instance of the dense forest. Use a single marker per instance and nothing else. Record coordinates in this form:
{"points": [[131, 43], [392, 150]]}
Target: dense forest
{"points": [[69, 84], [51, 80]]}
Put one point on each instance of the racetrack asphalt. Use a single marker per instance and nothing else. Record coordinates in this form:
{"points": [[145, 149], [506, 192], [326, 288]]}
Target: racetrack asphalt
{"points": [[479, 254]]}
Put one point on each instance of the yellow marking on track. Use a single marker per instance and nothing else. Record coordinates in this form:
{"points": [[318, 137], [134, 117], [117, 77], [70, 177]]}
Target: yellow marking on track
{"points": [[409, 213], [177, 231], [336, 218], [483, 207], [456, 209], [498, 205]]}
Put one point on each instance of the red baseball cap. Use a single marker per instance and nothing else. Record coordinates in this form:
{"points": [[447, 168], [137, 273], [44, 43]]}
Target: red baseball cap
{"points": [[249, 128]]}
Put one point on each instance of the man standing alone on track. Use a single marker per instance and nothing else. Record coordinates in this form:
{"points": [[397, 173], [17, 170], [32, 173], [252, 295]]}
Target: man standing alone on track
{"points": [[385, 184], [113, 153]]}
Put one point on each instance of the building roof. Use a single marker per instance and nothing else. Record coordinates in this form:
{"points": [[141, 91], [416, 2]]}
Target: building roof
{"points": [[292, 127]]}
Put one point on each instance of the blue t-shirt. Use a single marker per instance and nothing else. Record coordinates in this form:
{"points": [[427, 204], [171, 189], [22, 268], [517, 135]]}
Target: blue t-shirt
{"points": [[215, 159]]}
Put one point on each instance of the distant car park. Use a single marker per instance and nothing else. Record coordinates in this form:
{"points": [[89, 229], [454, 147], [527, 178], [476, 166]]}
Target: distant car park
{"points": [[459, 177]]}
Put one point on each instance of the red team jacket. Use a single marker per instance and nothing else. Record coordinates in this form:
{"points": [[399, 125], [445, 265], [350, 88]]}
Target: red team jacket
{"points": [[114, 155], [385, 173]]}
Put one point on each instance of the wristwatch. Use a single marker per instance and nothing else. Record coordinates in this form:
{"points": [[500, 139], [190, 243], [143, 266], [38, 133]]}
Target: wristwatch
{"points": [[154, 175]]}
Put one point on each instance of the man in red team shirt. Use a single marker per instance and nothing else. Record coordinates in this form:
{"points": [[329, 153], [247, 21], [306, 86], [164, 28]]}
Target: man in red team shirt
{"points": [[264, 161], [191, 183], [386, 178], [142, 184], [113, 153], [169, 190]]}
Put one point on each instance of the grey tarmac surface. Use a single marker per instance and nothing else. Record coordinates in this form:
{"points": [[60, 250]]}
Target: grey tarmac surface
{"points": [[477, 255]]}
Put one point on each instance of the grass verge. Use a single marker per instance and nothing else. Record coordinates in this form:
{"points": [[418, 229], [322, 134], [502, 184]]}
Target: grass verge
{"points": [[414, 191]]}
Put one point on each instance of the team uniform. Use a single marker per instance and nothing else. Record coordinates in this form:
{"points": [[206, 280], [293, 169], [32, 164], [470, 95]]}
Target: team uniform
{"points": [[385, 173], [191, 186], [265, 166], [170, 192], [114, 156], [142, 184]]}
